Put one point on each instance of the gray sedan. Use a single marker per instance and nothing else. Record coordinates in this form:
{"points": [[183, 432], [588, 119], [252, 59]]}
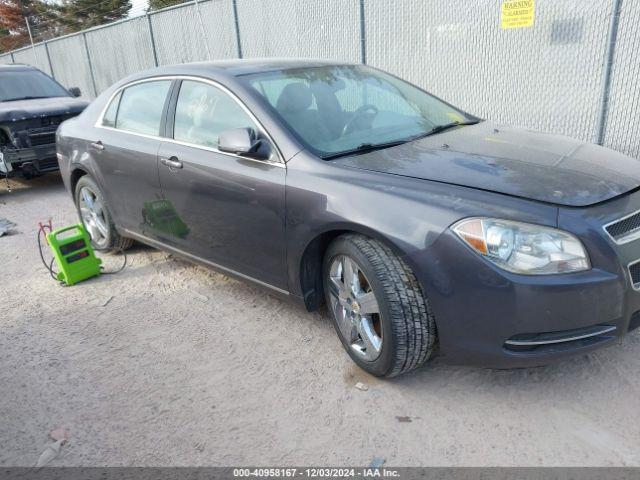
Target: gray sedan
{"points": [[421, 227]]}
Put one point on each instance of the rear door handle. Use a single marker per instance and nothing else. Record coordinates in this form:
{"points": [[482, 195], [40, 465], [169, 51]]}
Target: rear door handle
{"points": [[172, 162], [97, 145]]}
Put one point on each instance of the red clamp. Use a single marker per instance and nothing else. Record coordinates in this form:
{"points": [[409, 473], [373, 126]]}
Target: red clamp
{"points": [[42, 229]]}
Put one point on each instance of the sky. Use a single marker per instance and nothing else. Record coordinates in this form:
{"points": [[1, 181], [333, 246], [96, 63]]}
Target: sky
{"points": [[139, 6]]}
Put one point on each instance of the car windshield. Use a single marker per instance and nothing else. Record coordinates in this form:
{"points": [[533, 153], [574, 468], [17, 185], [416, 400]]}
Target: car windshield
{"points": [[340, 109], [28, 84]]}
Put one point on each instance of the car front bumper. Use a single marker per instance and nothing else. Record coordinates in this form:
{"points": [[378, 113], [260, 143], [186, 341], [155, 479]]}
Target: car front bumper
{"points": [[38, 159], [490, 317]]}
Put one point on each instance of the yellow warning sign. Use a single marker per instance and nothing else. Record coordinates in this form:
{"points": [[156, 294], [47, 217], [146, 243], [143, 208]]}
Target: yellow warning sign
{"points": [[518, 13]]}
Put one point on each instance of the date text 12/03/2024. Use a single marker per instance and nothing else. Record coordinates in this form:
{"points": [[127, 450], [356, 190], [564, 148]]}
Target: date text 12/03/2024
{"points": [[370, 472]]}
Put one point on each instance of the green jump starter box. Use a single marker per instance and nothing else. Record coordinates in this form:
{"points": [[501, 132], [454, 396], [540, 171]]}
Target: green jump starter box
{"points": [[71, 247]]}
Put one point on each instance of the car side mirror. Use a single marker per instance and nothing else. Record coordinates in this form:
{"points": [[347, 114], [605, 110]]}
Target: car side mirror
{"points": [[241, 141], [75, 92]]}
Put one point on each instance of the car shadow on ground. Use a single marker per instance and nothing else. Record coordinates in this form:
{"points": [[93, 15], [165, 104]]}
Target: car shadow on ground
{"points": [[18, 187], [573, 372]]}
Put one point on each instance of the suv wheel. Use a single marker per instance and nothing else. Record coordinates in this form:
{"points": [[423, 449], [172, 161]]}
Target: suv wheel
{"points": [[378, 308], [95, 217]]}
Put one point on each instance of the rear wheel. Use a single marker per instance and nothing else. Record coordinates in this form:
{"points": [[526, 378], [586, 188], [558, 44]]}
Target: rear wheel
{"points": [[379, 311], [96, 218]]}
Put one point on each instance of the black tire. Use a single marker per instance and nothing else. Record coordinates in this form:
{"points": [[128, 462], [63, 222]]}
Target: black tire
{"points": [[407, 323], [113, 241]]}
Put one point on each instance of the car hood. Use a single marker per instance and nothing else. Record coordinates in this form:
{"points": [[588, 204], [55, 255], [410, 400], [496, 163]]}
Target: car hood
{"points": [[512, 161], [40, 107]]}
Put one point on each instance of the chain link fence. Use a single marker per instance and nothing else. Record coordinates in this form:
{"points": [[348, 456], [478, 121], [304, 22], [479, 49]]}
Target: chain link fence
{"points": [[574, 71]]}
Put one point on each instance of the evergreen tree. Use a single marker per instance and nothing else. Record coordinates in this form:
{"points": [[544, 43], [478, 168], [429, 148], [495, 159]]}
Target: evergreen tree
{"points": [[13, 27], [159, 4], [81, 14]]}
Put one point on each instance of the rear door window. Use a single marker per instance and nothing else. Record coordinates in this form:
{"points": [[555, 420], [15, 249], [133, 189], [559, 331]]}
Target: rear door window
{"points": [[141, 107]]}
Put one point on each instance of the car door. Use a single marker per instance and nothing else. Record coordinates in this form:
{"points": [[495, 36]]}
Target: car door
{"points": [[226, 209], [126, 151]]}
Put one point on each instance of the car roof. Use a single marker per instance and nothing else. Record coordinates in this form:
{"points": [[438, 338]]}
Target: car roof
{"points": [[224, 71], [16, 67], [239, 67]]}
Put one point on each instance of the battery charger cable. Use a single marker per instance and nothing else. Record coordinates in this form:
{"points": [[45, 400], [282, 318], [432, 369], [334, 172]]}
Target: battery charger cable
{"points": [[48, 266], [42, 231], [119, 250]]}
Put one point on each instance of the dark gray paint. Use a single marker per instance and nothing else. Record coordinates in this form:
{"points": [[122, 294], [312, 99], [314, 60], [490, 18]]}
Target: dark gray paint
{"points": [[514, 161], [234, 209], [129, 166], [270, 223]]}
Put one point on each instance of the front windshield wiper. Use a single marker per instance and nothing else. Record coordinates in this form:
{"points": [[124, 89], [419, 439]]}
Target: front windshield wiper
{"points": [[446, 126], [365, 148], [370, 147]]}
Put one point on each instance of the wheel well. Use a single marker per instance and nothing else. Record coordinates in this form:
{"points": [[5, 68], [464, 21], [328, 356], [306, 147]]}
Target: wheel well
{"points": [[75, 176], [311, 283], [311, 269]]}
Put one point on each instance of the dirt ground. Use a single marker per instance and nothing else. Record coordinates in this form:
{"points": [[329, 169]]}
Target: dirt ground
{"points": [[167, 363]]}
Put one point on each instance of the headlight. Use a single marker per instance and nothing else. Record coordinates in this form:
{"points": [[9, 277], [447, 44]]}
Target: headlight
{"points": [[523, 247]]}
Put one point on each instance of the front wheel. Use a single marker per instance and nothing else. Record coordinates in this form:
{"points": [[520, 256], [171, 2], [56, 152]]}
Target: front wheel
{"points": [[96, 218], [379, 311]]}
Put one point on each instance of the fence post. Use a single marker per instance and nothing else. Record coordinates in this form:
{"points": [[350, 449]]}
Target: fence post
{"points": [[363, 41], [237, 23], [607, 68], [13, 59], [33, 47], [46, 49], [93, 78], [153, 40], [204, 33]]}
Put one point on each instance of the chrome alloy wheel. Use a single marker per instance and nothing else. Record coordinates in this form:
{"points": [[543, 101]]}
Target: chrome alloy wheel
{"points": [[355, 308], [93, 216]]}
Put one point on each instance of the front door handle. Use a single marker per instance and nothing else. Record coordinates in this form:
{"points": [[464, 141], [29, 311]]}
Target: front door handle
{"points": [[172, 162], [97, 145]]}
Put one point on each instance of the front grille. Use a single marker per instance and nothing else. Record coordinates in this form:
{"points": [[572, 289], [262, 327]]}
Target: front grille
{"points": [[48, 164], [52, 121], [42, 138], [634, 272], [625, 229]]}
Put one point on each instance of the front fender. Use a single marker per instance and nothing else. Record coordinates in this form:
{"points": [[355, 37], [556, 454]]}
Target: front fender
{"points": [[406, 214]]}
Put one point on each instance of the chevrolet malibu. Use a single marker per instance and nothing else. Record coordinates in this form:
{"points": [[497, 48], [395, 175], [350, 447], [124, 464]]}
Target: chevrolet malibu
{"points": [[421, 227]]}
